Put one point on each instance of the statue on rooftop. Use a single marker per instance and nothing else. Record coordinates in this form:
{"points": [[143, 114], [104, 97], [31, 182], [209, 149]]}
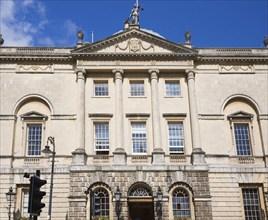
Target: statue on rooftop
{"points": [[134, 16]]}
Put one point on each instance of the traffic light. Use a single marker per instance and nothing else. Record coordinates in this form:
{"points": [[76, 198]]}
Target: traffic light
{"points": [[35, 196]]}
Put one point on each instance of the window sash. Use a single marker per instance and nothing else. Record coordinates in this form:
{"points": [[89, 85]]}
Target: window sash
{"points": [[24, 203], [101, 203], [34, 139], [137, 89], [101, 89], [175, 137], [101, 136], [173, 89], [139, 140], [252, 207], [181, 204], [242, 139]]}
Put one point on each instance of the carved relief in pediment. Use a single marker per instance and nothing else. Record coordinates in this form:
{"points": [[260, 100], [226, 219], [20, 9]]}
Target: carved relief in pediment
{"points": [[134, 45]]}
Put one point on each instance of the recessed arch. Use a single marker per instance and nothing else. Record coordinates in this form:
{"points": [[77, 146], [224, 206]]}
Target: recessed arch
{"points": [[241, 97], [181, 200], [32, 97], [99, 185], [140, 189]]}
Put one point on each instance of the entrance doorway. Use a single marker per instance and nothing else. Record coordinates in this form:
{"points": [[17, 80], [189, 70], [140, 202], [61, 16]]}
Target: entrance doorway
{"points": [[141, 210]]}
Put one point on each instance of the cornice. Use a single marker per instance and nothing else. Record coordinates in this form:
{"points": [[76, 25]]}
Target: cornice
{"points": [[35, 53], [232, 54], [134, 33]]}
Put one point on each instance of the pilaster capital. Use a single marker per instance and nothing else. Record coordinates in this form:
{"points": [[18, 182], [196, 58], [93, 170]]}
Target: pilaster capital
{"points": [[190, 73], [81, 73], [154, 73], [118, 73]]}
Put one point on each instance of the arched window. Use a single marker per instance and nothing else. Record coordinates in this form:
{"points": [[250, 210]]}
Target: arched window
{"points": [[140, 192], [181, 203], [100, 202]]}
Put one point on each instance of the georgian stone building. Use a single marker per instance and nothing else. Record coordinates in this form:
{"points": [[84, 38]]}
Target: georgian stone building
{"points": [[137, 113]]}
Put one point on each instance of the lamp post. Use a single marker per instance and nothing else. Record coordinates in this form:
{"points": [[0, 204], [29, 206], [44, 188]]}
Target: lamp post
{"points": [[10, 197], [47, 151], [117, 196], [159, 203]]}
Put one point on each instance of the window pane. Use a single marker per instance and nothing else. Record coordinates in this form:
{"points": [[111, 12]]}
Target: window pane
{"points": [[242, 139], [101, 88], [251, 204], [137, 89], [34, 139], [101, 203], [101, 139], [139, 144], [175, 137], [24, 203], [173, 89], [181, 204]]}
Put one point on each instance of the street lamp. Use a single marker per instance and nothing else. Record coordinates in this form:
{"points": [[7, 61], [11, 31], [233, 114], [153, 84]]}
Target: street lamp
{"points": [[48, 152], [117, 196], [10, 197], [159, 203]]}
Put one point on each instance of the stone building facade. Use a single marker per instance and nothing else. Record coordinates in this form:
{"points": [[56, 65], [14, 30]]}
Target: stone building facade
{"points": [[137, 113]]}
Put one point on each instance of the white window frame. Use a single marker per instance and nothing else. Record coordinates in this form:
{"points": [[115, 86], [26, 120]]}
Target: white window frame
{"points": [[190, 195], [179, 138], [168, 92], [96, 139], [242, 118], [100, 93], [239, 146], [134, 91], [22, 201], [28, 140], [261, 199], [28, 119], [146, 137]]}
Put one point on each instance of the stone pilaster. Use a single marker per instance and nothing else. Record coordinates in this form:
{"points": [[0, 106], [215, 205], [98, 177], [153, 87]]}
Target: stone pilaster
{"points": [[119, 154], [158, 153], [198, 156], [79, 155]]}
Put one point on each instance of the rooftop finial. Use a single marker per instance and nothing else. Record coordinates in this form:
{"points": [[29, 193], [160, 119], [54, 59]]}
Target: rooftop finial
{"points": [[80, 36], [265, 42], [1, 40], [134, 17]]}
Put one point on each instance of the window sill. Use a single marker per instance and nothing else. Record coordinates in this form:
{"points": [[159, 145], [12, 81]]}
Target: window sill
{"points": [[138, 97], [100, 97], [173, 97]]}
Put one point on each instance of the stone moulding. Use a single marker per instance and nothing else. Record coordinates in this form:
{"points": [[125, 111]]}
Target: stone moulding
{"points": [[34, 68], [232, 69]]}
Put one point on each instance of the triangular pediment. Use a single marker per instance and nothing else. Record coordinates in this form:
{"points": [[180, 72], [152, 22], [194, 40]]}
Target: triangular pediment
{"points": [[134, 42], [33, 115], [240, 115]]}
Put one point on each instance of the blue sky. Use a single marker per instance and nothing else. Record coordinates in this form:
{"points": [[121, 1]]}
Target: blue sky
{"points": [[212, 23]]}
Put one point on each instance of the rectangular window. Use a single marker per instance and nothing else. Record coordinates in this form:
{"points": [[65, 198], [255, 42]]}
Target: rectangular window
{"points": [[101, 136], [242, 139], [137, 88], [138, 131], [175, 137], [24, 202], [34, 139], [173, 88], [251, 201], [101, 88]]}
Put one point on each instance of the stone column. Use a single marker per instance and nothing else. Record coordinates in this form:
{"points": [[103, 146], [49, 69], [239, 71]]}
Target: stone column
{"points": [[158, 154], [79, 155], [119, 154], [198, 156]]}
